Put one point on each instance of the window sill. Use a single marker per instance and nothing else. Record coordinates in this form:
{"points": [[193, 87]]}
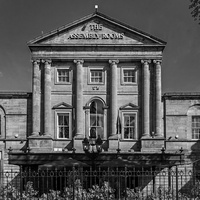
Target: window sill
{"points": [[62, 83], [62, 139]]}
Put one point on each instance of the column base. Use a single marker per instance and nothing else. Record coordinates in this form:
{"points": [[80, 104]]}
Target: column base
{"points": [[39, 143], [79, 136], [149, 144], [35, 134], [78, 145]]}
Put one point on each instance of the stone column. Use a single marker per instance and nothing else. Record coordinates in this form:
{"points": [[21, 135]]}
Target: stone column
{"points": [[105, 123], [79, 98], [158, 97], [47, 97], [87, 120], [146, 98], [113, 97], [36, 98]]}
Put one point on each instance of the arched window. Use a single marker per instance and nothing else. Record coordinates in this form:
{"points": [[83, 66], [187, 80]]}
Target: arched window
{"points": [[96, 124]]}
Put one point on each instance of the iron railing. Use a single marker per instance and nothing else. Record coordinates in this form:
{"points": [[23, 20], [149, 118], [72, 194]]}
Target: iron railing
{"points": [[178, 182]]}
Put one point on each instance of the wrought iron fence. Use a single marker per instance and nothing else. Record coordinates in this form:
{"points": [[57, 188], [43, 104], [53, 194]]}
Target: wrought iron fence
{"points": [[112, 183]]}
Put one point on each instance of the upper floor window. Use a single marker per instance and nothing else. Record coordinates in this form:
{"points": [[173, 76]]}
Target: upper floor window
{"points": [[96, 75], [63, 75], [128, 75], [195, 127], [96, 119]]}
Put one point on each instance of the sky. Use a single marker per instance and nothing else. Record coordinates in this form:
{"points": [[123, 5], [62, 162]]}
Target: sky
{"points": [[168, 20]]}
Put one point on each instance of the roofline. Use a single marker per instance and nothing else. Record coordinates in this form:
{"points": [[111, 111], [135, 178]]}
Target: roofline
{"points": [[5, 94], [97, 14], [99, 45], [181, 95]]}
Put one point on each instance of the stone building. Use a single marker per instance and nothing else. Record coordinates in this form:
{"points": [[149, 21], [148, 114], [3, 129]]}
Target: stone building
{"points": [[98, 78]]}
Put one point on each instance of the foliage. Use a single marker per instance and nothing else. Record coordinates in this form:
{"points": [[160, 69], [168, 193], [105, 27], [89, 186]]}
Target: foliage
{"points": [[195, 7], [134, 194], [29, 191], [101, 193], [10, 192], [97, 192]]}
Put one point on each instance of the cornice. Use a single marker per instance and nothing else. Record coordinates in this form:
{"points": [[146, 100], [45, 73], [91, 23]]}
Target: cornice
{"points": [[181, 95], [15, 95]]}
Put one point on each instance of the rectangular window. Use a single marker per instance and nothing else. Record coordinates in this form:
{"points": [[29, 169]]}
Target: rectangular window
{"points": [[63, 125], [0, 125], [195, 127], [63, 76], [96, 76], [129, 76], [129, 126]]}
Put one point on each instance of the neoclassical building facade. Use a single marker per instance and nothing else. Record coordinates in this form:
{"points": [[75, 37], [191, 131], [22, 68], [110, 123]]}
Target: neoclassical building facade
{"points": [[97, 78]]}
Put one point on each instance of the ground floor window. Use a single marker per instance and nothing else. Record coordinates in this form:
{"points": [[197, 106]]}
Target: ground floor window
{"points": [[129, 125], [63, 125], [96, 119], [195, 127]]}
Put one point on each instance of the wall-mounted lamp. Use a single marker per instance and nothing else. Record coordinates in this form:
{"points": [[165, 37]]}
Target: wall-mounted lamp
{"points": [[176, 137], [169, 138], [163, 150], [92, 142]]}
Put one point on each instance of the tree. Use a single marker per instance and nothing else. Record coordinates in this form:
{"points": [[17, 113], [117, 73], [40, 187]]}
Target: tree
{"points": [[195, 7]]}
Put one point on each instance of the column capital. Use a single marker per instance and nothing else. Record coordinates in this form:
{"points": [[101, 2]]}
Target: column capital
{"points": [[113, 62], [146, 62], [35, 61], [157, 61], [47, 61], [78, 62]]}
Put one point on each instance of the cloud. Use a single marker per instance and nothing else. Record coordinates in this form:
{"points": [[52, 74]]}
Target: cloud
{"points": [[1, 74]]}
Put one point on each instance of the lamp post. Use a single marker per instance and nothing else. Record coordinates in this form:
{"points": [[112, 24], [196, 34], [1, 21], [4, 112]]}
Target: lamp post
{"points": [[89, 148]]}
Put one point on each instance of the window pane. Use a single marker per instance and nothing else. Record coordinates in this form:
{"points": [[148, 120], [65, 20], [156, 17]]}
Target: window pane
{"points": [[129, 75], [129, 126], [63, 125], [195, 127], [96, 119], [96, 76], [63, 75]]}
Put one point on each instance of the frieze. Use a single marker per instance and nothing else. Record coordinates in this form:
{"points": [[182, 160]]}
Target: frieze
{"points": [[93, 33]]}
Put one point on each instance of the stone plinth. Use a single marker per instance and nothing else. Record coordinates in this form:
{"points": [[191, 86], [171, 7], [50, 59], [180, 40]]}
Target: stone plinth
{"points": [[113, 144], [78, 145], [40, 144], [152, 144]]}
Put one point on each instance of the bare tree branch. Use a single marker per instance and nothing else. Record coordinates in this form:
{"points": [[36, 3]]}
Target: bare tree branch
{"points": [[195, 7]]}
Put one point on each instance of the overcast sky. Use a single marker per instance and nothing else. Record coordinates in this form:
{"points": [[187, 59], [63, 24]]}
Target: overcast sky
{"points": [[168, 20]]}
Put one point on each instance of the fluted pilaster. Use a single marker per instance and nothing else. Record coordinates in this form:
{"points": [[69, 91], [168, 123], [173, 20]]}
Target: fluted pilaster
{"points": [[146, 98], [113, 97], [79, 98]]}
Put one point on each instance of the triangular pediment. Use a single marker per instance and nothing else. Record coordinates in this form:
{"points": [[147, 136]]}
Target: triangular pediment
{"points": [[96, 29], [129, 106], [62, 105]]}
